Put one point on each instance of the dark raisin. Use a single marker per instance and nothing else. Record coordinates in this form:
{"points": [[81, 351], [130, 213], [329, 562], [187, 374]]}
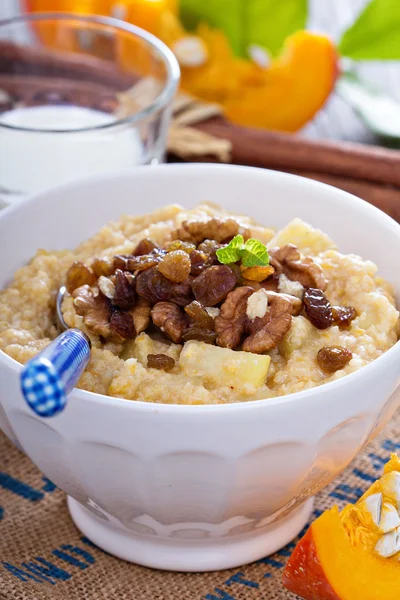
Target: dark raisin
{"points": [[144, 247], [333, 358], [125, 293], [202, 335], [137, 263], [102, 266], [175, 266], [122, 323], [213, 285], [153, 286], [160, 361], [199, 262], [79, 274], [343, 315], [318, 308], [199, 315]]}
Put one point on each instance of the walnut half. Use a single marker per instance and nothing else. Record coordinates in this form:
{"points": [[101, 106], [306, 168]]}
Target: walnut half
{"points": [[266, 332], [170, 319], [211, 228], [289, 261]]}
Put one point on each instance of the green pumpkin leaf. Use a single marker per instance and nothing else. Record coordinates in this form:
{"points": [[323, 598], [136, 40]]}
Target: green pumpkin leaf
{"points": [[380, 112], [375, 33], [264, 23]]}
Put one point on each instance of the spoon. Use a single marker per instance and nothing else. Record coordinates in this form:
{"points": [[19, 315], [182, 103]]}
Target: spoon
{"points": [[48, 378]]}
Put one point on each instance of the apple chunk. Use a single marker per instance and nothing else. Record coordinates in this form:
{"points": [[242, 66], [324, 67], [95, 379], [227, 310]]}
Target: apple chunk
{"points": [[223, 367]]}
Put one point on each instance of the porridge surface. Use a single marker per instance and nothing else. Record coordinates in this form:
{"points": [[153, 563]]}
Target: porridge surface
{"points": [[27, 320]]}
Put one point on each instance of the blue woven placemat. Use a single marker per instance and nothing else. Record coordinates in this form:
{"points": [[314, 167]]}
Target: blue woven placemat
{"points": [[44, 557]]}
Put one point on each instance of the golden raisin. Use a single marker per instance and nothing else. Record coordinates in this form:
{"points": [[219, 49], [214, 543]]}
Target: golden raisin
{"points": [[160, 361], [79, 274], [102, 266], [198, 314], [343, 315], [333, 358], [179, 245], [175, 266], [257, 273], [201, 335]]}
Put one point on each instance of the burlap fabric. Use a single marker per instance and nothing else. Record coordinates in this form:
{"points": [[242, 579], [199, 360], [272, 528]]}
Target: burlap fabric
{"points": [[44, 557]]}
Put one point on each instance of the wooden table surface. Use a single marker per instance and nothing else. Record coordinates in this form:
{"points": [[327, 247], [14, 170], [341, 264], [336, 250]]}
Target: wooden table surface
{"points": [[336, 120]]}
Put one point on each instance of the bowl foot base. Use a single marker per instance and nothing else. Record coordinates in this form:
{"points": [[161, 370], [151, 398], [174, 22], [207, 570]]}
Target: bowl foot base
{"points": [[189, 555]]}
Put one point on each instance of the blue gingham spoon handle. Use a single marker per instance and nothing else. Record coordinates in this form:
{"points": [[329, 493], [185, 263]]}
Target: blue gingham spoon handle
{"points": [[47, 379]]}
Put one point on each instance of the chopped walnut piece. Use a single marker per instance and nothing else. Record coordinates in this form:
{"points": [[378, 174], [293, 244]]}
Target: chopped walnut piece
{"points": [[170, 319], [318, 308], [122, 323], [220, 230], [213, 285], [257, 304], [230, 323], [95, 310], [175, 266], [267, 332], [102, 266], [141, 314], [287, 260], [160, 361], [343, 315], [297, 304], [79, 274], [106, 286], [125, 293], [333, 358]]}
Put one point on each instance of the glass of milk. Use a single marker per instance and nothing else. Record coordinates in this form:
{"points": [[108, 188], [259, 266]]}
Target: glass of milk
{"points": [[79, 96]]}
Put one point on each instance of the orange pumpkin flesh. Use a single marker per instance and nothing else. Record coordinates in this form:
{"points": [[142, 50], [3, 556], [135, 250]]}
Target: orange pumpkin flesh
{"points": [[335, 560], [294, 87]]}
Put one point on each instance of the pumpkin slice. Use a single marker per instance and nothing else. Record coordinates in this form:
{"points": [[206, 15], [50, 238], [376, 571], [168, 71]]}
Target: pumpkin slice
{"points": [[294, 87], [353, 553]]}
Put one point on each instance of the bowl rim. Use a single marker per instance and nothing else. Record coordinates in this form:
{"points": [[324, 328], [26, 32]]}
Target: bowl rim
{"points": [[392, 355], [161, 101]]}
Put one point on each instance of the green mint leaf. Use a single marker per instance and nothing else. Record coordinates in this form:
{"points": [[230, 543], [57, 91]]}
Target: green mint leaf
{"points": [[375, 33], [232, 252], [254, 254], [264, 23]]}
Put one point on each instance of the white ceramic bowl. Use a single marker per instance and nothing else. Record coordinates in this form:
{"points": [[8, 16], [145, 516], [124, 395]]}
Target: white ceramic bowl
{"points": [[198, 487]]}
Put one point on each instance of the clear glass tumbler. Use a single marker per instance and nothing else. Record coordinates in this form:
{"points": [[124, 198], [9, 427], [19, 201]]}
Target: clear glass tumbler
{"points": [[79, 96]]}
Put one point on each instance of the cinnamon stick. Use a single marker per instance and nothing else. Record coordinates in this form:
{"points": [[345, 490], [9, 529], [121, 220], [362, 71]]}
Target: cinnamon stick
{"points": [[384, 197], [261, 148], [17, 60]]}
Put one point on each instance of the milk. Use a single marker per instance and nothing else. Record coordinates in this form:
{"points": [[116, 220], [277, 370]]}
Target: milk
{"points": [[31, 161]]}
